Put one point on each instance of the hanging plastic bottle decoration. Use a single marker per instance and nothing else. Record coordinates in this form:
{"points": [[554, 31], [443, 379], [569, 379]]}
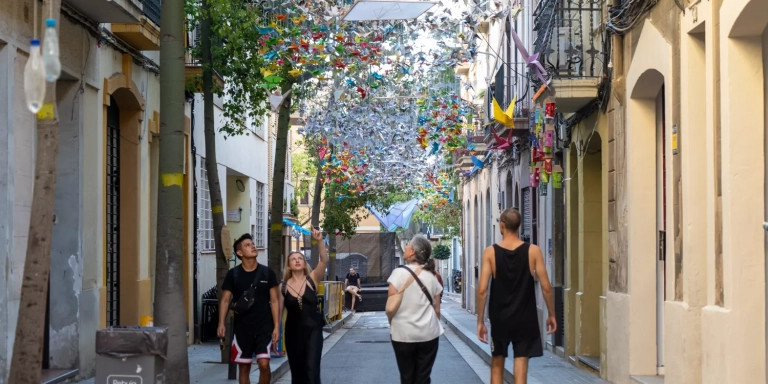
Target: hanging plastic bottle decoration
{"points": [[51, 52], [34, 78]]}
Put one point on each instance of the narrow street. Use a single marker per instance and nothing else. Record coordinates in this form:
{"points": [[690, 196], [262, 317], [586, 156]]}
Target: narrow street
{"points": [[361, 352]]}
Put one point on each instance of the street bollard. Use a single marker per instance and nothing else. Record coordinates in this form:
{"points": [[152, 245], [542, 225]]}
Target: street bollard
{"points": [[232, 371]]}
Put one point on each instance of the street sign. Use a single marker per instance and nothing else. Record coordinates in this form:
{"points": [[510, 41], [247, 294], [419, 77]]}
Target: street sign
{"points": [[124, 379]]}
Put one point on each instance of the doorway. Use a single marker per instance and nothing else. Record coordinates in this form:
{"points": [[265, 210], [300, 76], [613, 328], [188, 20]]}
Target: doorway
{"points": [[661, 226], [113, 214]]}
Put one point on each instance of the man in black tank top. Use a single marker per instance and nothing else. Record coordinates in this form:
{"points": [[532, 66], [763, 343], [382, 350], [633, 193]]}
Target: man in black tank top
{"points": [[510, 266]]}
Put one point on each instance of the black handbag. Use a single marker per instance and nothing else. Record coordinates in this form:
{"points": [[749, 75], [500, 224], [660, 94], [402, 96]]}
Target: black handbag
{"points": [[245, 301]]}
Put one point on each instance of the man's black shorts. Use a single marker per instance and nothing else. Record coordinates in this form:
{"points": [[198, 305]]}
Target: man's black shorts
{"points": [[245, 345], [521, 348]]}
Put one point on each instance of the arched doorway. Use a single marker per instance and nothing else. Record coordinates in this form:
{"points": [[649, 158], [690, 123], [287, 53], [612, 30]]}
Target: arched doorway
{"points": [[647, 130], [571, 282], [590, 239], [126, 282], [509, 194]]}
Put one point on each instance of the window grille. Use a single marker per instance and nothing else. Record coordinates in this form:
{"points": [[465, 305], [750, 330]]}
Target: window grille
{"points": [[113, 215], [261, 233], [205, 215]]}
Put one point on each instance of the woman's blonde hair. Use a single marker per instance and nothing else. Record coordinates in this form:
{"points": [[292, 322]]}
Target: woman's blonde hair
{"points": [[288, 272]]}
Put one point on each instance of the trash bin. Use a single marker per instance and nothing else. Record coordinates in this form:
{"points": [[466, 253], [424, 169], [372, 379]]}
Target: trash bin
{"points": [[131, 355]]}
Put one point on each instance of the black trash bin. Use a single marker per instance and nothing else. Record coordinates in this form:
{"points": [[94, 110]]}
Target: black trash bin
{"points": [[131, 355]]}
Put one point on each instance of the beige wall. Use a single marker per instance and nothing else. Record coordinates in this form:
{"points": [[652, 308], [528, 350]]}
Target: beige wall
{"points": [[714, 302]]}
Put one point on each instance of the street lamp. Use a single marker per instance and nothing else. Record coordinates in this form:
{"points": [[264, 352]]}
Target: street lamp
{"points": [[370, 10]]}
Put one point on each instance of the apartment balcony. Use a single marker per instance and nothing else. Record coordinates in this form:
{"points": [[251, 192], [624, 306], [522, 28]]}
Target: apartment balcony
{"points": [[569, 38], [109, 11], [143, 34], [193, 77]]}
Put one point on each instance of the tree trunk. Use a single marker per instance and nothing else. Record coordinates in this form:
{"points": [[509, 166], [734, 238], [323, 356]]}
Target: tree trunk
{"points": [[211, 164], [26, 362], [27, 358], [278, 184], [315, 220], [169, 310]]}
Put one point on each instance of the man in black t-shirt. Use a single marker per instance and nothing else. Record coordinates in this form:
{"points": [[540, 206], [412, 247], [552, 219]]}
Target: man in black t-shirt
{"points": [[352, 285], [258, 327]]}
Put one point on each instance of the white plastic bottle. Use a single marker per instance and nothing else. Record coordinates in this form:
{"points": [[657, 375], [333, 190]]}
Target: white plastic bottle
{"points": [[51, 51], [34, 78]]}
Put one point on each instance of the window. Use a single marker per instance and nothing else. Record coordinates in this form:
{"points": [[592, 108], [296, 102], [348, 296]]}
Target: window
{"points": [[205, 215], [305, 187], [260, 234]]}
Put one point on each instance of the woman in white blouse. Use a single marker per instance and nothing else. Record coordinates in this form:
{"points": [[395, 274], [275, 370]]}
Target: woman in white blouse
{"points": [[415, 328]]}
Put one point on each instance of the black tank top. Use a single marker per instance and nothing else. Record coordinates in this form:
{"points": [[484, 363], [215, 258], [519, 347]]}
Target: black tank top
{"points": [[512, 308], [306, 315]]}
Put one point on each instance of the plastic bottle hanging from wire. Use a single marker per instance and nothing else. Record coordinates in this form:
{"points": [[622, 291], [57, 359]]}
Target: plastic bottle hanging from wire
{"points": [[34, 78], [34, 72], [51, 51]]}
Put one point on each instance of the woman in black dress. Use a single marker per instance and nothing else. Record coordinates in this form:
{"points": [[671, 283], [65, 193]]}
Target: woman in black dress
{"points": [[304, 322]]}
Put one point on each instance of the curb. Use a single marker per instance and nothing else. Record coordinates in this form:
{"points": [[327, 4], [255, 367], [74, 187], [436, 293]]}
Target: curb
{"points": [[474, 344], [336, 325]]}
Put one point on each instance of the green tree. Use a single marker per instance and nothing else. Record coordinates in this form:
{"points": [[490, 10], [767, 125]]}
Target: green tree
{"points": [[441, 252], [226, 48], [169, 308]]}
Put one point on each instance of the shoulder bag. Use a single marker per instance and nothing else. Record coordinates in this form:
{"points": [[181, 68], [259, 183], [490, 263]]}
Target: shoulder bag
{"points": [[246, 299]]}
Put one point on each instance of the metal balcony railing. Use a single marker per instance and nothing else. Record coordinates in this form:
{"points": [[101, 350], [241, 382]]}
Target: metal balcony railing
{"points": [[152, 10], [569, 38]]}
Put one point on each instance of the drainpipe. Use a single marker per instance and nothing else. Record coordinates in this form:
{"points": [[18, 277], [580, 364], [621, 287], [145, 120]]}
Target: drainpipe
{"points": [[195, 308]]}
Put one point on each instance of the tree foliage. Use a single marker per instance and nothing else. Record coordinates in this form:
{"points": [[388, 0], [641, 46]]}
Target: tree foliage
{"points": [[441, 252], [447, 217], [344, 213], [235, 58]]}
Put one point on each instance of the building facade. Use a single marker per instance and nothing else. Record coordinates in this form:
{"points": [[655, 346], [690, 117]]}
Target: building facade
{"points": [[691, 94], [102, 252], [104, 245], [657, 240]]}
